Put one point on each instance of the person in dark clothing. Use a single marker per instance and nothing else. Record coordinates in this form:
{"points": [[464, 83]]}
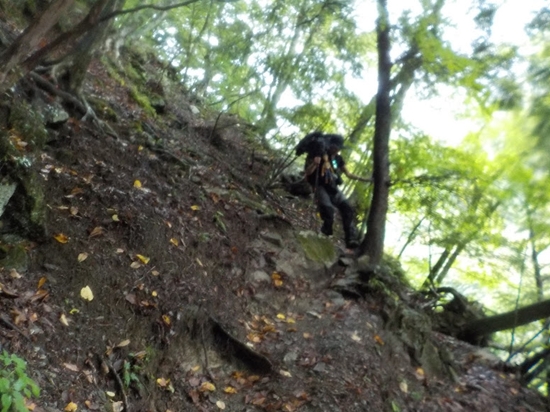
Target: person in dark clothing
{"points": [[323, 172]]}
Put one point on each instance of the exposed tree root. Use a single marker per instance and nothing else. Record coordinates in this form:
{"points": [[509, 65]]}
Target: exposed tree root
{"points": [[79, 103]]}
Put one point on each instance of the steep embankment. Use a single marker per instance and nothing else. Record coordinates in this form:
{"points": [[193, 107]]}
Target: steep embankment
{"points": [[208, 291]]}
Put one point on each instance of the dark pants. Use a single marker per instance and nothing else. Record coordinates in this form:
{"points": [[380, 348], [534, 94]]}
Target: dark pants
{"points": [[327, 199]]}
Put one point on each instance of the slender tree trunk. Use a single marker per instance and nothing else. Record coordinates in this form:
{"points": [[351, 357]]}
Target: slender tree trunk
{"points": [[373, 243]]}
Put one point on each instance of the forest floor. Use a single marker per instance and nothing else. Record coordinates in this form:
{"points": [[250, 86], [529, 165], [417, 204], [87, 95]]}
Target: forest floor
{"points": [[161, 284]]}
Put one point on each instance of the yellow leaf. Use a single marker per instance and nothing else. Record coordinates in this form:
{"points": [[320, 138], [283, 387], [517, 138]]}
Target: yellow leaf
{"points": [[63, 319], [166, 319], [86, 293], [162, 382], [195, 207], [41, 282], [378, 340], [71, 407], [73, 311], [115, 218], [230, 390], [220, 404], [61, 238], [174, 241], [281, 316], [144, 259], [110, 394], [207, 387], [137, 184], [154, 293], [82, 257], [290, 320], [140, 148]]}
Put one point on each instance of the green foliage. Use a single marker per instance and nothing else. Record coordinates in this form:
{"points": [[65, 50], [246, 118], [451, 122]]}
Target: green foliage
{"points": [[15, 384], [132, 369]]}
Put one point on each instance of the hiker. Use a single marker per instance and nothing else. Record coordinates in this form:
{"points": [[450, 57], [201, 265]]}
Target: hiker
{"points": [[323, 168]]}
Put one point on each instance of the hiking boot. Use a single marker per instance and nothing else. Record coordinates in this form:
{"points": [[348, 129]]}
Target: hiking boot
{"points": [[352, 244], [326, 229]]}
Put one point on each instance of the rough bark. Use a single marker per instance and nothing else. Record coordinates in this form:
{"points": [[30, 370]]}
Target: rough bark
{"points": [[29, 40], [373, 243], [504, 321]]}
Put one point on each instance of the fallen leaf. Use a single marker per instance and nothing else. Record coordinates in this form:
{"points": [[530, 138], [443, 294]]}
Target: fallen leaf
{"points": [[220, 404], [73, 210], [115, 218], [281, 316], [379, 340], [73, 311], [119, 251], [14, 274], [285, 373], [71, 407], [174, 241], [195, 207], [404, 387], [97, 231], [355, 337], [63, 319], [110, 394], [124, 343], [137, 184], [86, 293], [207, 387], [144, 259], [41, 282], [166, 319], [230, 390], [117, 406], [307, 335], [82, 257], [61, 238], [71, 367], [155, 272], [135, 265], [419, 373], [154, 293]]}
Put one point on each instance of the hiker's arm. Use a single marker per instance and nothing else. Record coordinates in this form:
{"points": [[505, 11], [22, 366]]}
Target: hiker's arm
{"points": [[313, 166], [350, 175]]}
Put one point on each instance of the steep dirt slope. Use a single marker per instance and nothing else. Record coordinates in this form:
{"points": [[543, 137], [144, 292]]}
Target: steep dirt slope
{"points": [[206, 293]]}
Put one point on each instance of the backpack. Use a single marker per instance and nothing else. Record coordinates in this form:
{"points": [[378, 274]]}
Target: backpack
{"points": [[314, 144]]}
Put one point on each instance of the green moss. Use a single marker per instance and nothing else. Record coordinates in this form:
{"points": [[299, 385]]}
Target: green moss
{"points": [[27, 124], [317, 247]]}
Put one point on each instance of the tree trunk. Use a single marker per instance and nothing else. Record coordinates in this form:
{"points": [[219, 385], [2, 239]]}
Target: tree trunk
{"points": [[504, 321], [75, 65], [28, 41], [373, 243]]}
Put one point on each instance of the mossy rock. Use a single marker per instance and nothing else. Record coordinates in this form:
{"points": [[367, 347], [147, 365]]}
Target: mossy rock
{"points": [[28, 124], [14, 256], [318, 248]]}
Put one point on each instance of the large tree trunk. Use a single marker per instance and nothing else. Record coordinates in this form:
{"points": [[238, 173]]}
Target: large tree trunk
{"points": [[373, 243], [504, 321], [28, 41]]}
